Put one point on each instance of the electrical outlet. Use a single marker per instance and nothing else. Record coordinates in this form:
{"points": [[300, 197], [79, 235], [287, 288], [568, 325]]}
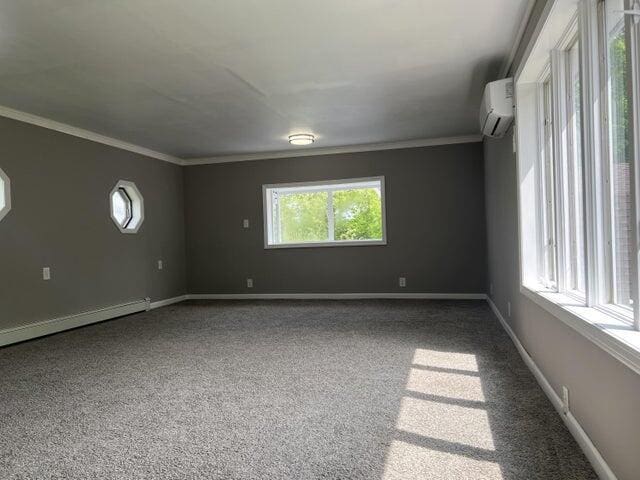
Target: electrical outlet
{"points": [[245, 223], [565, 400], [509, 309], [402, 281], [46, 273], [160, 265], [249, 282]]}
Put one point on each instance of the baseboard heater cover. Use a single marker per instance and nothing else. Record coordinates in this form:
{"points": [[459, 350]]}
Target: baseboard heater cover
{"points": [[54, 325]]}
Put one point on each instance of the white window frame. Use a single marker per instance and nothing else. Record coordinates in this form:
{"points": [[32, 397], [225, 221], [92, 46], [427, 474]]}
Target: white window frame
{"points": [[324, 186], [609, 326], [606, 287], [137, 206], [6, 192], [545, 178], [564, 150]]}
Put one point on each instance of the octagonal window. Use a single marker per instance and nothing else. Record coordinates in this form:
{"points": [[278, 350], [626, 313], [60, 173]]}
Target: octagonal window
{"points": [[127, 206], [5, 194]]}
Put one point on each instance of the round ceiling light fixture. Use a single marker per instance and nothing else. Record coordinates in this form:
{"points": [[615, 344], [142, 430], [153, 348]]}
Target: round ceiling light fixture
{"points": [[301, 139]]}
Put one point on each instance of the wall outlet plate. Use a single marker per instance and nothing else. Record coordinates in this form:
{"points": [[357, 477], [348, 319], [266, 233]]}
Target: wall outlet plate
{"points": [[249, 282], [160, 265], [245, 223], [402, 281], [46, 273]]}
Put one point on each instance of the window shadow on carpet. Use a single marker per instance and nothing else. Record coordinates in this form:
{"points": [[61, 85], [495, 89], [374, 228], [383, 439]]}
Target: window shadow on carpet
{"points": [[476, 412]]}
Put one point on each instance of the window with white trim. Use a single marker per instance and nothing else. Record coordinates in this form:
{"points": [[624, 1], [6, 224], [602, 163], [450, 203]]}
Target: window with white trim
{"points": [[617, 155], [580, 88], [547, 269], [127, 206], [5, 194], [329, 213], [572, 194]]}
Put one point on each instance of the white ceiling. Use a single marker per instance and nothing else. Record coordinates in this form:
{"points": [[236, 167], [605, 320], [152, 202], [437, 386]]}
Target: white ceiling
{"points": [[195, 78]]}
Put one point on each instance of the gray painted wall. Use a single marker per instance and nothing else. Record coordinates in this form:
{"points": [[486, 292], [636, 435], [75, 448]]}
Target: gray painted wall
{"points": [[60, 218], [604, 393], [435, 225]]}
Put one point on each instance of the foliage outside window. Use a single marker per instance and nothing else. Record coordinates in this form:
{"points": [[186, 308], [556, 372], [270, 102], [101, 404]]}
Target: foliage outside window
{"points": [[619, 155], [344, 212]]}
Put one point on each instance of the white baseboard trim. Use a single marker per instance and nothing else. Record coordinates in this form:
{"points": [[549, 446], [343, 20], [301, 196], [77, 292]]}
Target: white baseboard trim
{"points": [[54, 325], [335, 296], [593, 455], [167, 301]]}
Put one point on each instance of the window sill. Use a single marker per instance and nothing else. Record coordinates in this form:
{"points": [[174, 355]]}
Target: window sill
{"points": [[358, 243], [610, 333]]}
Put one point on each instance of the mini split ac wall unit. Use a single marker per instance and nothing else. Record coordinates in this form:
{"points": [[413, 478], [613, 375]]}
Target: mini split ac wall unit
{"points": [[496, 110]]}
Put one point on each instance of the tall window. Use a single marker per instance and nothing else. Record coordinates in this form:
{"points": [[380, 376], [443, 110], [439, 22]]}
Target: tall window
{"points": [[618, 155], [345, 212], [574, 194], [547, 220], [581, 87]]}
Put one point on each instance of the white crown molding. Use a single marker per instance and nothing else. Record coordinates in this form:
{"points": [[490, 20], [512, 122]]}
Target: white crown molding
{"points": [[114, 142], [369, 147], [86, 134]]}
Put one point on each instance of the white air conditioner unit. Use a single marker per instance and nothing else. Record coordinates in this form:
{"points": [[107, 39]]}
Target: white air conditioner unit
{"points": [[496, 111]]}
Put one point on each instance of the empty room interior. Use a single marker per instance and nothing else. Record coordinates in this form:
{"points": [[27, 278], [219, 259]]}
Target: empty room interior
{"points": [[355, 240]]}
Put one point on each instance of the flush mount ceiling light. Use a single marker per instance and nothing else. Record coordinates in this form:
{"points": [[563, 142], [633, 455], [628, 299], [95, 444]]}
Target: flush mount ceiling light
{"points": [[301, 139]]}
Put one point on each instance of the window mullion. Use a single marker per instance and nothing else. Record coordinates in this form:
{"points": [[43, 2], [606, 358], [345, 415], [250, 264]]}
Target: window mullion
{"points": [[330, 219], [634, 61], [559, 122], [540, 198], [278, 228], [592, 152]]}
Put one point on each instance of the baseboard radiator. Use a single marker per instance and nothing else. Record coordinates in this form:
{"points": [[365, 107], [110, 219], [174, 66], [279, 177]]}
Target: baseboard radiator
{"points": [[54, 325]]}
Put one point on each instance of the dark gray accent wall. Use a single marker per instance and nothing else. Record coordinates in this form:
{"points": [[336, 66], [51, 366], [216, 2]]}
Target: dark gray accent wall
{"points": [[60, 218], [604, 393], [435, 225]]}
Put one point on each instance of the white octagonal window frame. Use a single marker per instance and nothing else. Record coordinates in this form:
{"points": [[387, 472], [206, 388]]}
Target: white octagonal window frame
{"points": [[128, 216], [5, 194]]}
